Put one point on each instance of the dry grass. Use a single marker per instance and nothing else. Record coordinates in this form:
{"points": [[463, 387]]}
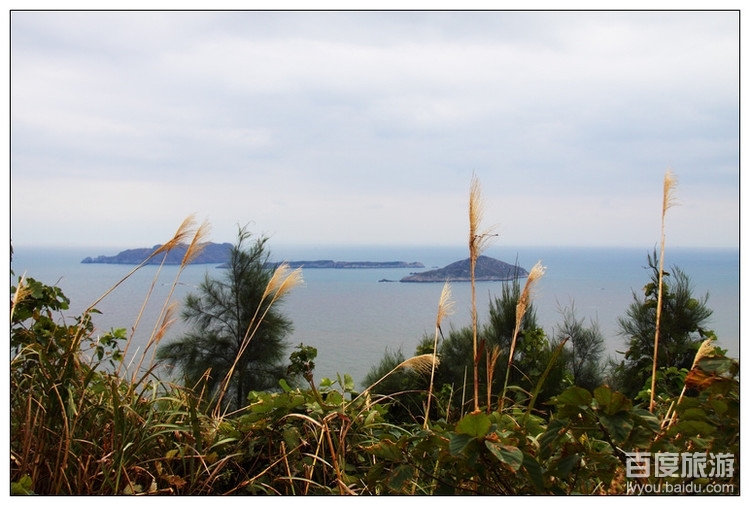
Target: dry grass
{"points": [[421, 364], [668, 200], [706, 350], [478, 242], [445, 308], [187, 231], [521, 307], [281, 282]]}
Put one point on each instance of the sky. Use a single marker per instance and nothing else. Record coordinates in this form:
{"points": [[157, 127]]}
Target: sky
{"points": [[366, 127]]}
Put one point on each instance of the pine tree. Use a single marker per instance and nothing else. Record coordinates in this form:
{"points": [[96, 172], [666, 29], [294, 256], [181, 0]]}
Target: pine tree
{"points": [[237, 340]]}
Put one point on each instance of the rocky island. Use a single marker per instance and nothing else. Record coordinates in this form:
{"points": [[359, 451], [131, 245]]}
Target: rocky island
{"points": [[486, 269], [332, 264], [214, 253]]}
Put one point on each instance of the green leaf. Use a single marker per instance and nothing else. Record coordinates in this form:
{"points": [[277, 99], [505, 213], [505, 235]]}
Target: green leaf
{"points": [[566, 464], [536, 472], [24, 486], [618, 425], [719, 406], [576, 396], [556, 430], [474, 425], [291, 437], [718, 365], [284, 385], [572, 401], [400, 476], [693, 414], [348, 383], [458, 442], [691, 428], [326, 383], [385, 449], [509, 455], [611, 402]]}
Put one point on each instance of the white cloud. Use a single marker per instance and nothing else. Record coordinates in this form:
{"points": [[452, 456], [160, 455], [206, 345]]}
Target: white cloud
{"points": [[374, 122]]}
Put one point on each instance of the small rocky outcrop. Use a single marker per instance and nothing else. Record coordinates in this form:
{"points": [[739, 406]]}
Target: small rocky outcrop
{"points": [[486, 269]]}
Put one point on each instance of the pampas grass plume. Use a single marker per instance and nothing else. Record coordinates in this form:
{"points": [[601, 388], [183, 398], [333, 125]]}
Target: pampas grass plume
{"points": [[180, 237], [445, 304], [197, 245], [283, 281], [523, 301], [421, 364]]}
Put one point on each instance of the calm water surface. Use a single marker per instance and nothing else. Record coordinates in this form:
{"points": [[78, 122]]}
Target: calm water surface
{"points": [[352, 319]]}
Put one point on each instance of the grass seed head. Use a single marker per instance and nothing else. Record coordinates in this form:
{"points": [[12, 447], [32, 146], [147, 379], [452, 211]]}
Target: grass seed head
{"points": [[197, 244], [180, 237], [421, 364], [445, 305], [670, 183]]}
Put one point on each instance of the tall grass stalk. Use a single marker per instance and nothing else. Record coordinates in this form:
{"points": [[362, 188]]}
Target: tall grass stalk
{"points": [[478, 242], [521, 306], [197, 244], [281, 282], [706, 350], [493, 356], [184, 231], [670, 182], [445, 308], [421, 364], [542, 379]]}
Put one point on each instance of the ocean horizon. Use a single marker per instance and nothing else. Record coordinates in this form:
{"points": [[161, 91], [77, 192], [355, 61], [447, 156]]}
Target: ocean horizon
{"points": [[353, 319]]}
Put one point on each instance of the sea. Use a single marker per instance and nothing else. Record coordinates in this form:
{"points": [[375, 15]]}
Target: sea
{"points": [[353, 317]]}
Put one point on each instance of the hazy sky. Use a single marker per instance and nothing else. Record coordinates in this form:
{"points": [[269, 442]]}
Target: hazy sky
{"points": [[366, 127]]}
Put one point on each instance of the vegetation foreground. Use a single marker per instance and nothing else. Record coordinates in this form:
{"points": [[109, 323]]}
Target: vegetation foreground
{"points": [[498, 409]]}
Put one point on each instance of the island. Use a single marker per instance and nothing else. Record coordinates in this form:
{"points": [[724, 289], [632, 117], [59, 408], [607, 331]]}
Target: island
{"points": [[331, 264], [213, 253], [486, 269]]}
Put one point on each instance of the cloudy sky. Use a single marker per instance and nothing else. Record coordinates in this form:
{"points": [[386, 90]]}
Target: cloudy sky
{"points": [[366, 127]]}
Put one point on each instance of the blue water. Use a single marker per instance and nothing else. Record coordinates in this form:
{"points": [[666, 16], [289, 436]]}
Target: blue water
{"points": [[352, 319]]}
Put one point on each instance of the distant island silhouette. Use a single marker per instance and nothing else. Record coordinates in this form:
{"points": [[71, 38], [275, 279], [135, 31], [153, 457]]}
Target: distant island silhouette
{"points": [[486, 269], [214, 253]]}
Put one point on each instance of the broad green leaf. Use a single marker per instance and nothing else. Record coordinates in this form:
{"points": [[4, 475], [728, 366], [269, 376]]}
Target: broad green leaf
{"points": [[400, 476], [719, 406], [718, 365], [506, 454], [536, 472], [458, 442], [348, 383], [573, 396], [572, 401], [693, 414], [566, 464], [611, 402], [692, 428], [326, 383], [474, 425], [284, 385], [291, 437], [618, 426], [385, 449], [548, 440]]}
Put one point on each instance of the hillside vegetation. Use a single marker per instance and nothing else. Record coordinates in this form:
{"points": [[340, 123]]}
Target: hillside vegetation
{"points": [[84, 422]]}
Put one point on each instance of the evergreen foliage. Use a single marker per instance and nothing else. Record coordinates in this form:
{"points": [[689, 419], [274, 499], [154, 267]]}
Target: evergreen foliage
{"points": [[682, 328], [223, 314], [78, 428]]}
